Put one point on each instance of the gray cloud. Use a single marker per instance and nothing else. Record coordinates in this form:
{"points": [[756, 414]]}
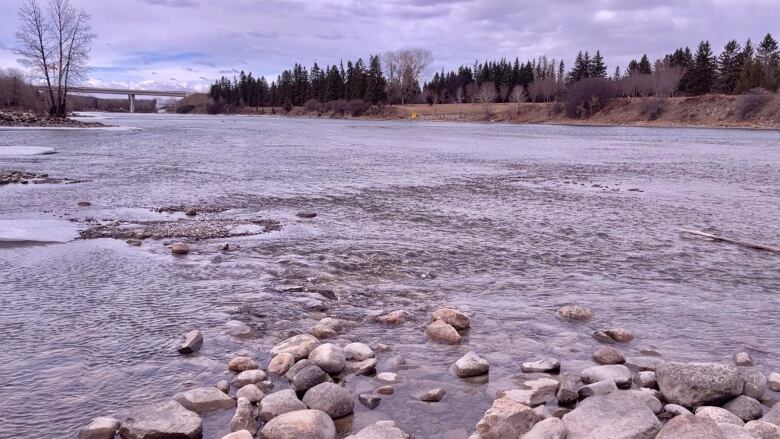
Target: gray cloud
{"points": [[173, 3]]}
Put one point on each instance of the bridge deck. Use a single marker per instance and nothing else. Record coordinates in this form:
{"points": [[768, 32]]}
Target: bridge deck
{"points": [[127, 91]]}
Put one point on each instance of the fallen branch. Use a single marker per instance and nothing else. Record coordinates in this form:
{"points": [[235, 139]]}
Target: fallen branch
{"points": [[753, 245]]}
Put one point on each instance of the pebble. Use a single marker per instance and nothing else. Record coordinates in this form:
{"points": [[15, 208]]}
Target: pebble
{"points": [[191, 212], [388, 377], [471, 365], [370, 401], [179, 248], [434, 395], [608, 355], [547, 365], [240, 364], [575, 312], [443, 332], [84, 204]]}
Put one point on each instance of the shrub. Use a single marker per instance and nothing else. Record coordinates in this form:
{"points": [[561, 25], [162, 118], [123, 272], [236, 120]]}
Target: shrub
{"points": [[588, 96], [288, 106], [357, 107], [751, 103], [312, 105], [652, 108], [184, 109]]}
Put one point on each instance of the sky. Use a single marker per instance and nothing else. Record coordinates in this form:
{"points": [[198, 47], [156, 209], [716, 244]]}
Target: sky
{"points": [[186, 44]]}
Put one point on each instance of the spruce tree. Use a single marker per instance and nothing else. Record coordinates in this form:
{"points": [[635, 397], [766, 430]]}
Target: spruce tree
{"points": [[751, 73], [597, 68], [768, 57], [644, 66], [703, 70], [729, 67]]}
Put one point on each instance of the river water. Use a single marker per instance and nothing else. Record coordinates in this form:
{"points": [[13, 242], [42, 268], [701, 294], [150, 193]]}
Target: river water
{"points": [[505, 222]]}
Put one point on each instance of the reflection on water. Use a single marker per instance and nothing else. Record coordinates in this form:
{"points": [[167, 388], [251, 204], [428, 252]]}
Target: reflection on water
{"points": [[504, 222]]}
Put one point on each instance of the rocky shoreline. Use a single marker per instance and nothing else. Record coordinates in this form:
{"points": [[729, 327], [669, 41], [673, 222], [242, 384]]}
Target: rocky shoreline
{"points": [[301, 392], [12, 176], [21, 119]]}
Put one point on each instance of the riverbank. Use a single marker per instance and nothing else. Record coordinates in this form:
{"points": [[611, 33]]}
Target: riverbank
{"points": [[32, 120], [708, 111]]}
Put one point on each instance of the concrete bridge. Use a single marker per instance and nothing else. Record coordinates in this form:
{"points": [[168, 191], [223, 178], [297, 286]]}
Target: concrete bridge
{"points": [[131, 94]]}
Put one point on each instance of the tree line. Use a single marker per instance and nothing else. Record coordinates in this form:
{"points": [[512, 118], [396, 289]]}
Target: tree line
{"points": [[394, 78]]}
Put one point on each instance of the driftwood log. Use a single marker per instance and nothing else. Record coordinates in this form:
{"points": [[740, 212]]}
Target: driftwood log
{"points": [[753, 245]]}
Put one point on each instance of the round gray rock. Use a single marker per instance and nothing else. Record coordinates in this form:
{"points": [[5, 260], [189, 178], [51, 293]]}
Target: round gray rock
{"points": [[608, 355], [614, 415], [328, 357], [696, 384], [162, 420], [615, 372], [330, 398], [744, 407], [302, 424], [690, 427], [279, 403], [205, 400], [471, 365]]}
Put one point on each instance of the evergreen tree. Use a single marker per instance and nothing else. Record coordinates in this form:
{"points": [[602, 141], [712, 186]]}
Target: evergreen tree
{"points": [[729, 67], [375, 81], [751, 74], [644, 66], [597, 67], [703, 70], [768, 57]]}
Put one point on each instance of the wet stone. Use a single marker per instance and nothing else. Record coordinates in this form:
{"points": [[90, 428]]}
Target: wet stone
{"points": [[244, 418], [506, 418], [471, 365], [452, 317], [308, 377], [754, 382], [380, 430], [247, 377], [567, 389], [643, 363], [328, 357], [743, 359], [575, 312], [223, 386], [330, 398], [547, 365], [179, 248], [251, 393], [599, 388], [240, 364], [100, 428], [645, 379], [385, 390], [204, 400], [773, 381], [443, 332], [608, 355], [695, 384], [616, 414], [161, 420], [360, 367], [369, 401], [534, 392], [302, 424], [358, 351], [280, 364], [434, 395], [191, 342], [299, 346], [278, 403], [550, 428], [618, 373]]}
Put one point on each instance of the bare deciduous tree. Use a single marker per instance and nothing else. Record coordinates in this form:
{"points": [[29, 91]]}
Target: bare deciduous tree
{"points": [[460, 95], [17, 93], [487, 95], [503, 92], [55, 46], [518, 96], [403, 69]]}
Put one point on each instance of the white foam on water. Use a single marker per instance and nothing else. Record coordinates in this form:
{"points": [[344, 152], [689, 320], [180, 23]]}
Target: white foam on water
{"points": [[25, 150], [37, 230]]}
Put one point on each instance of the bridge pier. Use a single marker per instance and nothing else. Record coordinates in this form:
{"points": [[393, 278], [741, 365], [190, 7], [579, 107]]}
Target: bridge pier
{"points": [[132, 102]]}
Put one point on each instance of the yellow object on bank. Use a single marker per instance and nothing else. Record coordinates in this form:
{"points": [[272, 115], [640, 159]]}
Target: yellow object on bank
{"points": [[413, 116]]}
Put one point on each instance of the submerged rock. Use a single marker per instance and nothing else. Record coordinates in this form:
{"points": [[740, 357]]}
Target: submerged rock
{"points": [[191, 342], [547, 365], [302, 424], [575, 312], [535, 392], [358, 351], [330, 398], [100, 428], [619, 335], [774, 381], [643, 363], [471, 365], [299, 346], [434, 395], [608, 355], [161, 420], [204, 400], [645, 379], [506, 418], [614, 415], [380, 430], [695, 384], [275, 404], [385, 390], [369, 401], [394, 317], [452, 317], [441, 331], [237, 328], [743, 359]]}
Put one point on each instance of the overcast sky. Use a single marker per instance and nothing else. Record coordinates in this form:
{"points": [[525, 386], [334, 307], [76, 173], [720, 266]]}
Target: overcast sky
{"points": [[173, 43]]}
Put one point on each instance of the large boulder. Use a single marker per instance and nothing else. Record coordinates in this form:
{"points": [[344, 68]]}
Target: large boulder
{"points": [[278, 403], [471, 365], [615, 372], [567, 389], [301, 424], [380, 430], [773, 415], [240, 364], [204, 400], [550, 428], [452, 317], [719, 415], [165, 420], [100, 428], [506, 418], [755, 383], [690, 427], [330, 398], [280, 364], [695, 384], [596, 389], [763, 430], [244, 418], [443, 332], [308, 377], [328, 357], [299, 346], [534, 392], [744, 407], [614, 415]]}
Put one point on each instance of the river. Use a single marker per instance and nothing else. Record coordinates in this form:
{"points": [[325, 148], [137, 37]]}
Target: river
{"points": [[505, 222]]}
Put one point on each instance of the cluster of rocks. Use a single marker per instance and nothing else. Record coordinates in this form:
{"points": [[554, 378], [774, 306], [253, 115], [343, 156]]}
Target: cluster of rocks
{"points": [[12, 176], [20, 119], [182, 229]]}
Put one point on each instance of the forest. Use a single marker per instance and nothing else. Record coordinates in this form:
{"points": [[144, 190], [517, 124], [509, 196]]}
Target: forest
{"points": [[395, 78]]}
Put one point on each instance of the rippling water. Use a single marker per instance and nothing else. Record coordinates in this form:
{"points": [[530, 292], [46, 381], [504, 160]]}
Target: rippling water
{"points": [[505, 222]]}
